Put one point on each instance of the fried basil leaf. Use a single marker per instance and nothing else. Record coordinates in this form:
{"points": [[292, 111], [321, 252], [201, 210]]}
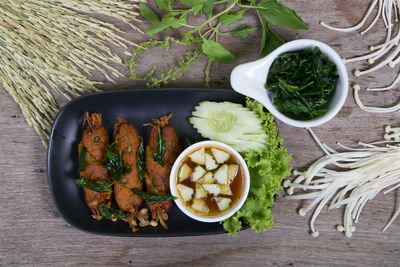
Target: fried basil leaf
{"points": [[303, 82], [111, 214], [140, 160], [158, 156], [100, 186], [153, 198], [82, 158], [114, 163]]}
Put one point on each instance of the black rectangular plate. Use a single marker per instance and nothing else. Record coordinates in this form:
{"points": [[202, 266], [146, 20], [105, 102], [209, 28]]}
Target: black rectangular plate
{"points": [[137, 106]]}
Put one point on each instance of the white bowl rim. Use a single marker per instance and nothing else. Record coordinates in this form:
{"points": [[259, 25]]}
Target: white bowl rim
{"points": [[173, 175]]}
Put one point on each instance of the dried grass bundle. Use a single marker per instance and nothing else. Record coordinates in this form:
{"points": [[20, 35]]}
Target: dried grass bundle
{"points": [[54, 45]]}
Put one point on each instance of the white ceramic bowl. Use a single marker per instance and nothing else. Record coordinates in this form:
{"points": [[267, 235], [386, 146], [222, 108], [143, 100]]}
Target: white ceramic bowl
{"points": [[250, 78], [245, 174]]}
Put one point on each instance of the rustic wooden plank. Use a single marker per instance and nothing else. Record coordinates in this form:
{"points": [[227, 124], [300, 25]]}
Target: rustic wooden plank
{"points": [[32, 233]]}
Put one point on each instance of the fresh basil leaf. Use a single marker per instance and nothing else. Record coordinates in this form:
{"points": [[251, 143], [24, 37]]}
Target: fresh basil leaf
{"points": [[82, 158], [217, 52], [168, 21], [208, 7], [279, 14], [148, 13], [270, 40], [111, 214], [190, 39], [99, 186], [153, 198], [164, 4], [243, 31], [198, 8], [187, 37], [114, 163], [230, 18], [189, 2], [199, 5], [180, 21], [140, 160], [158, 156]]}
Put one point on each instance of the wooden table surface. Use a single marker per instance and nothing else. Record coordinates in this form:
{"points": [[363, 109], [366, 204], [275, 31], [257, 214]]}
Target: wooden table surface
{"points": [[33, 233]]}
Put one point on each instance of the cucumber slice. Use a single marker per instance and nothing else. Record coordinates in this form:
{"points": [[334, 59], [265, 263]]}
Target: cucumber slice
{"points": [[232, 172], [186, 192], [200, 205], [221, 175], [210, 163], [184, 172], [212, 189], [219, 155], [200, 192], [225, 190], [198, 156], [222, 203], [208, 178], [198, 173], [229, 123]]}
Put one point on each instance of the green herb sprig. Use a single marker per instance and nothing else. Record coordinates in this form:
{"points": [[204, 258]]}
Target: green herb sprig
{"points": [[140, 160], [100, 186], [114, 163], [164, 75], [205, 37], [158, 155], [153, 198], [111, 214]]}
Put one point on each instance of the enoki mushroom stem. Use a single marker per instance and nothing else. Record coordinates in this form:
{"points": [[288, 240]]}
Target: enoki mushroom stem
{"points": [[386, 53]]}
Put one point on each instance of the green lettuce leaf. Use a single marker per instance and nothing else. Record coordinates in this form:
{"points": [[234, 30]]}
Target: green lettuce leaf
{"points": [[267, 170]]}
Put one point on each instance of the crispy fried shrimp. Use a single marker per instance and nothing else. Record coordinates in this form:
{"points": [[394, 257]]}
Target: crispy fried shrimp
{"points": [[157, 178], [127, 140], [95, 140]]}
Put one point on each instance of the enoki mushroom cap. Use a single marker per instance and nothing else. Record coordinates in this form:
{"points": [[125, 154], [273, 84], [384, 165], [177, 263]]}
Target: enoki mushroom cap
{"points": [[315, 234], [302, 212], [286, 183], [340, 228]]}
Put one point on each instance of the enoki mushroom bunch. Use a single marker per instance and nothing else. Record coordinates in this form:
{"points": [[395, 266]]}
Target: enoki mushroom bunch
{"points": [[386, 53], [350, 178]]}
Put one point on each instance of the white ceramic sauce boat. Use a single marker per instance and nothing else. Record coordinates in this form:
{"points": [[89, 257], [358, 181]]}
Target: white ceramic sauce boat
{"points": [[249, 79]]}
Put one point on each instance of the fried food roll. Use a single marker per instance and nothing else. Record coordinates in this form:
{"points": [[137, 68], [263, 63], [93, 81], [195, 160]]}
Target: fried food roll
{"points": [[127, 141], [157, 178], [94, 142]]}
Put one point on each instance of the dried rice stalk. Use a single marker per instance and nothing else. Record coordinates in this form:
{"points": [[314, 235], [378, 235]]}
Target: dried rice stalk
{"points": [[48, 44]]}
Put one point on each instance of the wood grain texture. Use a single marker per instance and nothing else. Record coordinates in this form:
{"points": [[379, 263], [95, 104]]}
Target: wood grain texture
{"points": [[32, 233]]}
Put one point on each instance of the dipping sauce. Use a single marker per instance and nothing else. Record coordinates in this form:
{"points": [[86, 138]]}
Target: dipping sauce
{"points": [[209, 181]]}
